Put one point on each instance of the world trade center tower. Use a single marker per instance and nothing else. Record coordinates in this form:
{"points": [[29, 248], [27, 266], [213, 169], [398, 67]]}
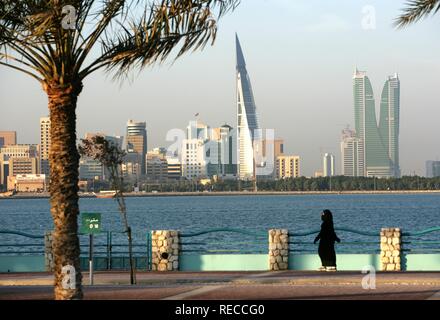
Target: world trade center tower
{"points": [[247, 121]]}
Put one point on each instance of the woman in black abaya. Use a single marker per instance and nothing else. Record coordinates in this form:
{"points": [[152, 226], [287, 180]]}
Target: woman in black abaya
{"points": [[327, 238]]}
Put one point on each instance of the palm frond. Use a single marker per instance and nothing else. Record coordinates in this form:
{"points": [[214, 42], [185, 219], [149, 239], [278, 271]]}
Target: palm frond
{"points": [[159, 31], [131, 33], [416, 10]]}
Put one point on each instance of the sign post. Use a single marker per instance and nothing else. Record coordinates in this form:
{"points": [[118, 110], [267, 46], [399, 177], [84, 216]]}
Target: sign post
{"points": [[91, 224], [91, 259]]}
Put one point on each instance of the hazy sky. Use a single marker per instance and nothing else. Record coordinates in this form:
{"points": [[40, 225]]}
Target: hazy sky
{"points": [[300, 56]]}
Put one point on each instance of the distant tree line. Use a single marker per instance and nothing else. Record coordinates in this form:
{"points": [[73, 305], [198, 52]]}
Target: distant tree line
{"points": [[343, 183], [337, 183]]}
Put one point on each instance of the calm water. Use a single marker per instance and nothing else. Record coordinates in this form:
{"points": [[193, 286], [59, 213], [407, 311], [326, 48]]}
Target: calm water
{"points": [[254, 213]]}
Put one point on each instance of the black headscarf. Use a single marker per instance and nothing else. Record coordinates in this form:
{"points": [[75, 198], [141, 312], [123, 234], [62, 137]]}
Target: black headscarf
{"points": [[327, 218]]}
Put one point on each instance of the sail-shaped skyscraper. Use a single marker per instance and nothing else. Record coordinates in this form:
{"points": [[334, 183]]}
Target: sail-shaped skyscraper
{"points": [[380, 143], [247, 121], [389, 121]]}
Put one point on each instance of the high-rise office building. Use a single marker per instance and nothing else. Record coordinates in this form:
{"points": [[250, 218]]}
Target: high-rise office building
{"points": [[157, 165], [247, 121], [132, 165], [390, 120], [174, 168], [328, 165], [137, 141], [200, 156], [116, 140], [18, 159], [7, 138], [352, 154], [379, 143], [193, 159], [228, 158], [23, 166], [19, 151], [44, 145], [287, 167], [91, 169], [199, 130], [432, 169], [271, 150]]}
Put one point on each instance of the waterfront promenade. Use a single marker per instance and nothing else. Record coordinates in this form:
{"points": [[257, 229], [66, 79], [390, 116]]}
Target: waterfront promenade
{"points": [[282, 285]]}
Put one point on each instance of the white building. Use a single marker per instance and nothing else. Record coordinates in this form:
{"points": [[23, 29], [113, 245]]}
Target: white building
{"points": [[352, 154], [328, 165], [27, 183], [198, 130], [247, 121], [193, 159]]}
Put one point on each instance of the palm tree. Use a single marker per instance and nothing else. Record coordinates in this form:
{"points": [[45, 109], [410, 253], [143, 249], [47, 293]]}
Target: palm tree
{"points": [[416, 10], [52, 41]]}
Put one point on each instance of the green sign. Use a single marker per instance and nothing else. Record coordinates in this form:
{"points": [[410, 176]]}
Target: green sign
{"points": [[90, 222]]}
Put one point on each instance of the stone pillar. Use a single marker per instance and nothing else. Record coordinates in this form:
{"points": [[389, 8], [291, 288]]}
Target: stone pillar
{"points": [[48, 254], [278, 249], [165, 248], [390, 249]]}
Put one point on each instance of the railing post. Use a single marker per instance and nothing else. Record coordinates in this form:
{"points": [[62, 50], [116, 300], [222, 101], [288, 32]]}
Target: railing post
{"points": [[165, 250], [108, 250], [149, 254], [278, 249], [48, 253], [147, 266], [390, 249]]}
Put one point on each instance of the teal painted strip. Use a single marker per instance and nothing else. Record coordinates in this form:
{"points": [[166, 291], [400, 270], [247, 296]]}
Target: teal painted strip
{"points": [[421, 262], [259, 262], [230, 262], [343, 261], [224, 262], [22, 263], [255, 234]]}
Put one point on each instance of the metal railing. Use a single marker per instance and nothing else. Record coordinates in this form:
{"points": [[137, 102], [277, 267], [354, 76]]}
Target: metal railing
{"points": [[108, 253], [360, 245], [417, 242], [23, 248], [111, 247], [213, 241]]}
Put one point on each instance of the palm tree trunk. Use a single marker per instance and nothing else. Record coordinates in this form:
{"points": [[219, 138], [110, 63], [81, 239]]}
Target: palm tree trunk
{"points": [[64, 161], [130, 256]]}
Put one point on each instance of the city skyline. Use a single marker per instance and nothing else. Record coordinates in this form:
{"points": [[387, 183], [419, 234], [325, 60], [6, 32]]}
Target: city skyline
{"points": [[282, 86]]}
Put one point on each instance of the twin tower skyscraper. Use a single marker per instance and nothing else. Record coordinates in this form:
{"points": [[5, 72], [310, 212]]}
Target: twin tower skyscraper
{"points": [[372, 150], [378, 143]]}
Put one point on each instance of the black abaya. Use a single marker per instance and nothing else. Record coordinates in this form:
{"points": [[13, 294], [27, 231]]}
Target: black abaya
{"points": [[326, 249]]}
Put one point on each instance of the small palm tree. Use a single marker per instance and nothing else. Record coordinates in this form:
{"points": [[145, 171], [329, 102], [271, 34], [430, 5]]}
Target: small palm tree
{"points": [[111, 157], [52, 41], [416, 10]]}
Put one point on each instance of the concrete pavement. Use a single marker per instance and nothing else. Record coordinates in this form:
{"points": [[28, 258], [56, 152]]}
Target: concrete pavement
{"points": [[233, 286]]}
